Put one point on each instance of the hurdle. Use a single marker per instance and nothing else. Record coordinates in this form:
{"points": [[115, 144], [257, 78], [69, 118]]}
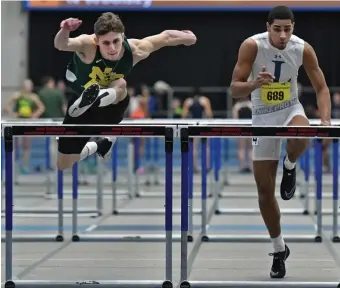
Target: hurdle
{"points": [[24, 129], [59, 213], [291, 238], [84, 237], [305, 187], [134, 178], [235, 131], [48, 212]]}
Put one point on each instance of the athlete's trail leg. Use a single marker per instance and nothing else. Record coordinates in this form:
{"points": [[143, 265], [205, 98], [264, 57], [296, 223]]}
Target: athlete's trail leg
{"points": [[265, 175], [294, 148]]}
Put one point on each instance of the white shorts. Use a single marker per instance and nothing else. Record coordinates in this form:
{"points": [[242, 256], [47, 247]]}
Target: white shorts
{"points": [[270, 148]]}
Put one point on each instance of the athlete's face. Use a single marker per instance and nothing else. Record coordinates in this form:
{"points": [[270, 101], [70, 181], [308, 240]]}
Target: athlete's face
{"points": [[280, 32], [110, 45]]}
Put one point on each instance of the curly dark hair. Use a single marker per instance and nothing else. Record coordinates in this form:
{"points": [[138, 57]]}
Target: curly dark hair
{"points": [[108, 22]]}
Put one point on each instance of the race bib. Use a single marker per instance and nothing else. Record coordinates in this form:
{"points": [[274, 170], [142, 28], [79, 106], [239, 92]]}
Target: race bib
{"points": [[275, 93]]}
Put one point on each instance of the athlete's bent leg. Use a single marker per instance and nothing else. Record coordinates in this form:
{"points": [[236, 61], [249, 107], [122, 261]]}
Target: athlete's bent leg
{"points": [[294, 148], [69, 150], [100, 97], [265, 163]]}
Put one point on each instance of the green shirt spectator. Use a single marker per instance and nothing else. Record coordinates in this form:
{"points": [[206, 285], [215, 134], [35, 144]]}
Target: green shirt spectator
{"points": [[53, 99]]}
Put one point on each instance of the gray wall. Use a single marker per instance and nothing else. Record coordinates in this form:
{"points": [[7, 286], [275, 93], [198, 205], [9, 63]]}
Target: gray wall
{"points": [[14, 43]]}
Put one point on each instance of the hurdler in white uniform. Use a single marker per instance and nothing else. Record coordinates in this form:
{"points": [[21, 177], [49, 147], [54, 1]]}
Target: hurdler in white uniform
{"points": [[278, 102]]}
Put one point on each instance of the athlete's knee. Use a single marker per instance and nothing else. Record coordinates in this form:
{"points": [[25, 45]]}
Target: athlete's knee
{"points": [[119, 85], [65, 161], [121, 88], [265, 181]]}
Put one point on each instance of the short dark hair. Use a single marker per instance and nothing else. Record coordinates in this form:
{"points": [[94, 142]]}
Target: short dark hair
{"points": [[46, 79], [108, 22], [280, 12]]}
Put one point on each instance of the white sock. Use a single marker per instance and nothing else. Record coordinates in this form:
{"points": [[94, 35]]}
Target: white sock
{"points": [[89, 149], [278, 244], [289, 165], [107, 96]]}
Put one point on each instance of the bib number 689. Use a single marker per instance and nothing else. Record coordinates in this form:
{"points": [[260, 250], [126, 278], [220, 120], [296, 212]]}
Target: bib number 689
{"points": [[275, 96]]}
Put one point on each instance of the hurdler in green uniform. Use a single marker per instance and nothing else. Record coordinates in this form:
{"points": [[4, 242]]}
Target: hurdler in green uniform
{"points": [[96, 73], [101, 71]]}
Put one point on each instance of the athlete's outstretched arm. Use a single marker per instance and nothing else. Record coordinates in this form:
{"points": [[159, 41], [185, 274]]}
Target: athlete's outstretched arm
{"points": [[63, 42], [315, 75], [240, 87], [142, 48]]}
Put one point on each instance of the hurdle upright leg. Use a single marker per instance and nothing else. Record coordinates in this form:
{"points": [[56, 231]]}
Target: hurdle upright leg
{"points": [[75, 236], [114, 178], [204, 189], [184, 202], [9, 200], [318, 166], [191, 188], [100, 188], [335, 236], [169, 148], [306, 186]]}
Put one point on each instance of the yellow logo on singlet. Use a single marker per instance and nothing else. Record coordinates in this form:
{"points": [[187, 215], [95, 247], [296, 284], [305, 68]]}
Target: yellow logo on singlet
{"points": [[275, 93], [103, 78]]}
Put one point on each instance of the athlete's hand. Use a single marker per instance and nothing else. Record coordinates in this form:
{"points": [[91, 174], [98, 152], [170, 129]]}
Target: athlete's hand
{"points": [[325, 123], [190, 38], [264, 77], [70, 24]]}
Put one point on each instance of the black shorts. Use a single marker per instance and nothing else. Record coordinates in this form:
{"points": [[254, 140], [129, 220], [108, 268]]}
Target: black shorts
{"points": [[112, 114]]}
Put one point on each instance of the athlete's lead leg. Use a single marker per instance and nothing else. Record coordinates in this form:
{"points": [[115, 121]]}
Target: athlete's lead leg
{"points": [[93, 95], [295, 148]]}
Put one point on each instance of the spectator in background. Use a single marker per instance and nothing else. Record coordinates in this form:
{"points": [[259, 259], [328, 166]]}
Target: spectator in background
{"points": [[52, 98], [55, 107], [158, 102], [177, 108], [197, 107], [336, 106], [326, 142], [139, 110], [243, 110], [25, 105]]}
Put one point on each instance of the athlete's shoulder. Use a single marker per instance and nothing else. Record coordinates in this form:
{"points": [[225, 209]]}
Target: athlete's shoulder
{"points": [[297, 40], [260, 36]]}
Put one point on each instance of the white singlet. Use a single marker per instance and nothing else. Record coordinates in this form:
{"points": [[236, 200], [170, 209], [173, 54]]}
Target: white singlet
{"points": [[278, 102]]}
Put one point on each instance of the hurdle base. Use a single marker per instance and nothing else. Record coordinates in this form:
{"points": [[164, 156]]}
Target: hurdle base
{"points": [[325, 212], [161, 195], [88, 284], [124, 238], [256, 211], [35, 238], [256, 284], [336, 239], [260, 238], [151, 211], [52, 211]]}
